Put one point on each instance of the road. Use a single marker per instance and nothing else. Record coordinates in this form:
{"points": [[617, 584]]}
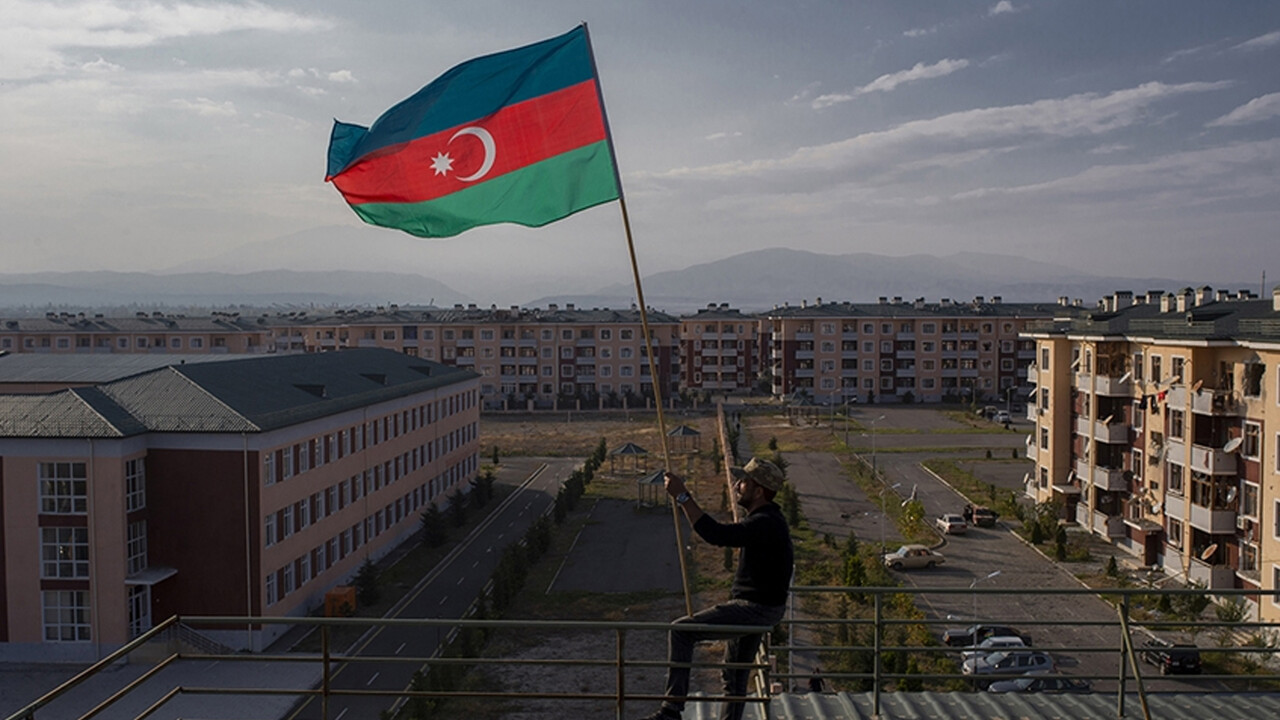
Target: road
{"points": [[447, 592], [834, 505]]}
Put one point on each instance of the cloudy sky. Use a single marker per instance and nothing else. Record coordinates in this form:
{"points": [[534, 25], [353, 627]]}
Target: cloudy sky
{"points": [[1138, 137]]}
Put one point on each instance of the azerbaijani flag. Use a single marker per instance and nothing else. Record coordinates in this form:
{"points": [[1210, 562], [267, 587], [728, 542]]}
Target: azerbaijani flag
{"points": [[517, 136]]}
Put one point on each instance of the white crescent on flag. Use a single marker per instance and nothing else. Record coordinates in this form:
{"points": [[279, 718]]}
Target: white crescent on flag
{"points": [[490, 149]]}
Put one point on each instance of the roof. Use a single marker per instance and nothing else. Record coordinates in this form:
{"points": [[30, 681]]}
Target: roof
{"points": [[91, 368], [1212, 319], [916, 309], [630, 449], [1024, 706], [684, 431], [254, 394]]}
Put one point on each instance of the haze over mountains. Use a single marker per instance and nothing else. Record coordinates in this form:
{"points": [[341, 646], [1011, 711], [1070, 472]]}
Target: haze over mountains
{"points": [[445, 274]]}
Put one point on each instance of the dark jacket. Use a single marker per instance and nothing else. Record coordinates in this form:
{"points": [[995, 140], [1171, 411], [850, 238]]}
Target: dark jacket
{"points": [[764, 566]]}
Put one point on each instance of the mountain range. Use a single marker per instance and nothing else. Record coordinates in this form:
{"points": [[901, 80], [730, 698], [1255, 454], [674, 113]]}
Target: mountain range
{"points": [[750, 281]]}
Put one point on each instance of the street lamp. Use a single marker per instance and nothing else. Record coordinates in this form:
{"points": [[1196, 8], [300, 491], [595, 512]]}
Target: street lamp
{"points": [[873, 446], [884, 512], [973, 585]]}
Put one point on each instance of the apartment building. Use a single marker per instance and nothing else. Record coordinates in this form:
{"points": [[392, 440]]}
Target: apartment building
{"points": [[525, 356], [244, 487], [720, 350], [1157, 425], [896, 351]]}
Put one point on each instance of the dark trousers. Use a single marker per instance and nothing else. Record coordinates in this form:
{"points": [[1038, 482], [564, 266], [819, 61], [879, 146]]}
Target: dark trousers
{"points": [[738, 649]]}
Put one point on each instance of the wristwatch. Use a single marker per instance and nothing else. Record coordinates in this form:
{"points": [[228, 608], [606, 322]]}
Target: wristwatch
{"points": [[683, 498]]}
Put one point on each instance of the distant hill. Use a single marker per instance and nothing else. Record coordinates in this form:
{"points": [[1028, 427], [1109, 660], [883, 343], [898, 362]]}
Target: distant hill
{"points": [[88, 290], [764, 278], [751, 281]]}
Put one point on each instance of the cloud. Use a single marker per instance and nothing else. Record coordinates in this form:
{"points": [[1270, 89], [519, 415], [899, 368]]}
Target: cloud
{"points": [[722, 135], [37, 35], [1084, 114], [205, 107], [1258, 109], [1109, 149], [1261, 42], [100, 65], [891, 81], [1186, 178], [1002, 7], [920, 32], [342, 76]]}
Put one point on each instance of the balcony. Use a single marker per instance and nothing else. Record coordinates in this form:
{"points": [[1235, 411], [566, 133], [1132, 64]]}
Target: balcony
{"points": [[1112, 386], [1214, 577], [804, 336], [1033, 412], [804, 354], [1033, 451], [1098, 523], [905, 354], [1103, 478], [1216, 403], [804, 373], [1113, 434], [1212, 461], [1213, 521]]}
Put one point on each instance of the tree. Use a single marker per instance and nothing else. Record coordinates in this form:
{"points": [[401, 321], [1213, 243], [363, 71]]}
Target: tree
{"points": [[458, 507], [434, 532], [367, 590]]}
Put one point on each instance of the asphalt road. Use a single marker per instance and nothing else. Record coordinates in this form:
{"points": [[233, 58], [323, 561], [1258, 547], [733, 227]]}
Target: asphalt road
{"points": [[447, 592], [834, 504]]}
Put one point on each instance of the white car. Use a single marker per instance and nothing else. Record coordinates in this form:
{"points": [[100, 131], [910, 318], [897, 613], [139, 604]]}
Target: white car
{"points": [[1002, 417], [997, 642], [1009, 662], [951, 524]]}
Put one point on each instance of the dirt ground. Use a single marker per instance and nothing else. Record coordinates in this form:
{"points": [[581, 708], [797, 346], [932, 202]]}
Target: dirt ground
{"points": [[622, 564]]}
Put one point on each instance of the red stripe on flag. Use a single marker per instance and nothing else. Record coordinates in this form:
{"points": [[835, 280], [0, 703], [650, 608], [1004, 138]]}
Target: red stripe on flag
{"points": [[523, 134]]}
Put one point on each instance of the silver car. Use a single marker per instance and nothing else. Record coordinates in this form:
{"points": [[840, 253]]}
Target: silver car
{"points": [[1009, 662]]}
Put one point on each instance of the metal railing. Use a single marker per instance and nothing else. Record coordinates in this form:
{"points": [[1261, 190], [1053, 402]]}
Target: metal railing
{"points": [[885, 614]]}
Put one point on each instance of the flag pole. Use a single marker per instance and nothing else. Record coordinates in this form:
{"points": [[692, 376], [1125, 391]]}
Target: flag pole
{"points": [[644, 322]]}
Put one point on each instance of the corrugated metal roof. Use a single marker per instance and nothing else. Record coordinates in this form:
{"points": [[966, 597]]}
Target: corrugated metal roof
{"points": [[89, 368], [1002, 706], [79, 413], [252, 394]]}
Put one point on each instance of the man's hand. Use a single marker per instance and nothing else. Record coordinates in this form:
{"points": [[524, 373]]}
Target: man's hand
{"points": [[674, 484]]}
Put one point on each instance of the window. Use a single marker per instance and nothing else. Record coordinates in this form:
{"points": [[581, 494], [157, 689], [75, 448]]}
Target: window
{"points": [[1155, 369], [1252, 446], [1138, 367], [135, 485], [64, 552], [269, 530], [1137, 414], [1253, 373], [1174, 477], [136, 548], [1176, 421], [1044, 438], [66, 615], [1173, 531], [1177, 369], [62, 488], [286, 467], [1249, 499], [1044, 359], [1135, 465], [272, 596]]}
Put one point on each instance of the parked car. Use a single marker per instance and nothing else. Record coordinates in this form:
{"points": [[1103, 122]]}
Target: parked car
{"points": [[951, 524], [993, 643], [913, 556], [1009, 662], [1036, 684], [984, 516], [975, 634], [1002, 417], [1171, 658]]}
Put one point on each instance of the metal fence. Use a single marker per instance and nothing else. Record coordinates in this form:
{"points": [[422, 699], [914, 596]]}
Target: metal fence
{"points": [[881, 617]]}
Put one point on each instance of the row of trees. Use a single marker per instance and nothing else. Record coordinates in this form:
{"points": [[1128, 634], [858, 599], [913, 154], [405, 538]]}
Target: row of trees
{"points": [[508, 579]]}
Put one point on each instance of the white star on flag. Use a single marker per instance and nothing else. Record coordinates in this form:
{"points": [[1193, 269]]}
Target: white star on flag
{"points": [[442, 163]]}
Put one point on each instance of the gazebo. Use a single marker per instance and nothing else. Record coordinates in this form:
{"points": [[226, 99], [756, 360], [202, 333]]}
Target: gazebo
{"points": [[636, 455], [650, 489], [685, 439]]}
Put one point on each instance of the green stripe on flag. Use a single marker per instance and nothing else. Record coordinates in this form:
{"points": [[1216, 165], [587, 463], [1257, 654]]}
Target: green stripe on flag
{"points": [[534, 196]]}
